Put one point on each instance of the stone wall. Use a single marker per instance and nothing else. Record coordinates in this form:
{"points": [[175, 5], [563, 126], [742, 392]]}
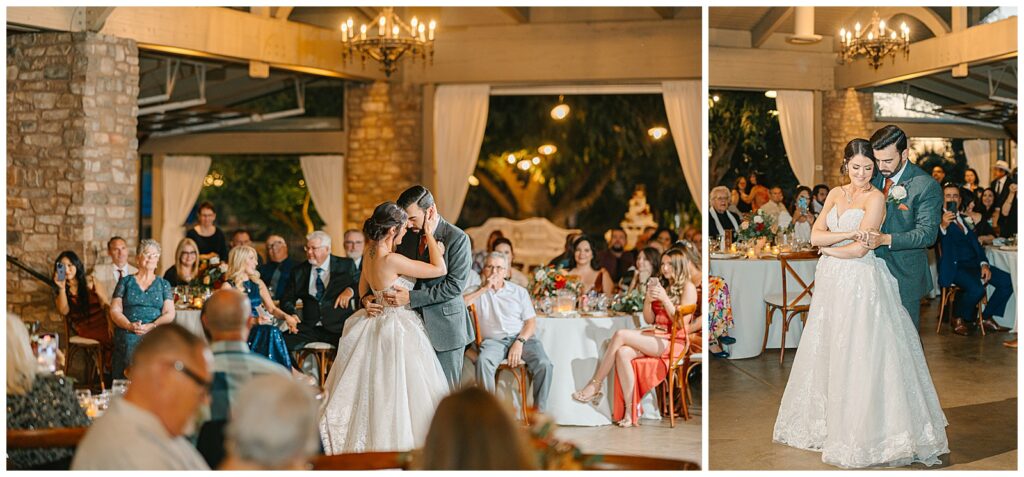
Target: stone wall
{"points": [[846, 114], [384, 145], [72, 156]]}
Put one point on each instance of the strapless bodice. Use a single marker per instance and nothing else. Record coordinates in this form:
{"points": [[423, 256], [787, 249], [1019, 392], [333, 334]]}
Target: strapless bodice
{"points": [[402, 281]]}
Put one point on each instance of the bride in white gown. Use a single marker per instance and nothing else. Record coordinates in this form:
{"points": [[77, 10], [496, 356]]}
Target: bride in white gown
{"points": [[859, 391], [386, 381]]}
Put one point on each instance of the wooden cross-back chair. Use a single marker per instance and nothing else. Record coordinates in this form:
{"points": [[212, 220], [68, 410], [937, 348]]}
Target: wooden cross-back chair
{"points": [[790, 302], [519, 372], [678, 368]]}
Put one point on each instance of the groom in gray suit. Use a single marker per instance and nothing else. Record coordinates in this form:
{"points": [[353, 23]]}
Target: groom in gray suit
{"points": [[912, 213], [439, 300]]}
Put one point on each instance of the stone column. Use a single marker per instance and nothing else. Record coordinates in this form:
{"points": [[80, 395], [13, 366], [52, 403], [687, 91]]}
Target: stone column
{"points": [[384, 145], [72, 156], [846, 114]]}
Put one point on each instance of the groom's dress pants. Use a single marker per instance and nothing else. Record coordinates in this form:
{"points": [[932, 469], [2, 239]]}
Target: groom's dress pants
{"points": [[493, 351], [972, 291]]}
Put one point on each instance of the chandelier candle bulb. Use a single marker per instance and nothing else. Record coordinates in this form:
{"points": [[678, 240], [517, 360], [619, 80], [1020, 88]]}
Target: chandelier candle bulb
{"points": [[362, 32], [881, 28], [344, 33], [433, 25], [394, 31], [415, 22]]}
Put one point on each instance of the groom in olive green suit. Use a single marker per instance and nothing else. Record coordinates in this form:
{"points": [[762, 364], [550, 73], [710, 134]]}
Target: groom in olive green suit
{"points": [[912, 213]]}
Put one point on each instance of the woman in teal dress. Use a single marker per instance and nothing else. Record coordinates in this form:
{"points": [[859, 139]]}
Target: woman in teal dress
{"points": [[141, 302], [265, 338]]}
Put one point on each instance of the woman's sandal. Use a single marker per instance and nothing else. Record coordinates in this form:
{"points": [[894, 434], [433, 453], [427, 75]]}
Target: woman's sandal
{"points": [[594, 399]]}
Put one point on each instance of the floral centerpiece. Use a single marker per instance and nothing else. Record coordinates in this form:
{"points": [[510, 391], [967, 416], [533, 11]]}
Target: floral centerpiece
{"points": [[550, 281], [757, 226], [211, 274], [631, 301], [551, 453]]}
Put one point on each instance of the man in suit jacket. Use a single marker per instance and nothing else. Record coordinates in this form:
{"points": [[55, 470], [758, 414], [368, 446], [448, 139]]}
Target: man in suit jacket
{"points": [[439, 300], [106, 275], [912, 212], [278, 269], [962, 262], [325, 284]]}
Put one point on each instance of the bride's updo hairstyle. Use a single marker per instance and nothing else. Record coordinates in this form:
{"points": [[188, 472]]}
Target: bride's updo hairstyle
{"points": [[857, 147], [385, 217]]}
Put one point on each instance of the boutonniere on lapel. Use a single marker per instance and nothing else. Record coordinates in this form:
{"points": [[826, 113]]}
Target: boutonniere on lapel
{"points": [[968, 221], [897, 194]]}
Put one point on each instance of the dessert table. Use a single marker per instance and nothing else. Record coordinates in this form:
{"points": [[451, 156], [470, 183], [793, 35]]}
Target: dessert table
{"points": [[1006, 260], [750, 281]]}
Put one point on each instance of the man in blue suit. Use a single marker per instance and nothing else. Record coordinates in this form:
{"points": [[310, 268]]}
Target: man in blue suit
{"points": [[963, 263]]}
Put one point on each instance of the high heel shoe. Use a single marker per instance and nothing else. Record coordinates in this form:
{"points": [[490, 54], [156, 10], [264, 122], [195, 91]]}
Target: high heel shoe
{"points": [[594, 399], [727, 340], [721, 354]]}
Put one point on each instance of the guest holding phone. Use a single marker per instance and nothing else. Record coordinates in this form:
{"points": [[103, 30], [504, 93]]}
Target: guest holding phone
{"points": [[78, 301], [803, 217]]}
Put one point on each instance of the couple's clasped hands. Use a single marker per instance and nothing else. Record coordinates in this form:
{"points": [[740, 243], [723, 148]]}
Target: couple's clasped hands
{"points": [[867, 238]]}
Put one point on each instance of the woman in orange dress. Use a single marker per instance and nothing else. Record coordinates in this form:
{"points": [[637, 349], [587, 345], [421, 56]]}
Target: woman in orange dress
{"points": [[664, 296]]}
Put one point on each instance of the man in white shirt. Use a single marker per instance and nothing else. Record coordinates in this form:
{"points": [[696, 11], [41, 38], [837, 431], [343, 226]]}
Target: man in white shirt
{"points": [[145, 429], [507, 324], [106, 276], [775, 208]]}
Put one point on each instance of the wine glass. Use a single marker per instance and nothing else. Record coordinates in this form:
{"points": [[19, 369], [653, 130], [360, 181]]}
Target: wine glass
{"points": [[119, 386], [83, 396]]}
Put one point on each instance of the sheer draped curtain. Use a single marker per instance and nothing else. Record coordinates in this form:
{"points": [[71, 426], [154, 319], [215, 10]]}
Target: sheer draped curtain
{"points": [[460, 117], [181, 181], [683, 108], [796, 120], [979, 159], [325, 177]]}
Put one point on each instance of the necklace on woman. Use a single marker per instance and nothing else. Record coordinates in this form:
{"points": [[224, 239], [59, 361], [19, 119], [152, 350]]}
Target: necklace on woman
{"points": [[850, 196]]}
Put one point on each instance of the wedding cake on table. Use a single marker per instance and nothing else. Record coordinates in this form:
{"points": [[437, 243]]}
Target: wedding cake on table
{"points": [[638, 217]]}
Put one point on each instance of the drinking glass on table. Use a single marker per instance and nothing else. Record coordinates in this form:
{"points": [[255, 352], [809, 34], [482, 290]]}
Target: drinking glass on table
{"points": [[119, 386], [84, 396]]}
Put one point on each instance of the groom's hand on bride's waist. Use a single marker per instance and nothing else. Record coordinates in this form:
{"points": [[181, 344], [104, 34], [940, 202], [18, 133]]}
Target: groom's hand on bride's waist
{"points": [[398, 297]]}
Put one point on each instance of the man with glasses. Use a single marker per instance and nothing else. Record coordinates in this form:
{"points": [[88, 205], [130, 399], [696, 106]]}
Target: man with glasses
{"points": [[325, 284], [145, 429], [278, 268], [507, 324]]}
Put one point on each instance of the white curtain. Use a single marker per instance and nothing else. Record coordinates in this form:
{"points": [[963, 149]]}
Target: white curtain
{"points": [[181, 179], [325, 178], [796, 120], [460, 116], [978, 158], [684, 108]]}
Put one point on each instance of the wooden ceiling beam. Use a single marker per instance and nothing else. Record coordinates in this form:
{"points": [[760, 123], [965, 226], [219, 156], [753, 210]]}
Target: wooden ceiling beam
{"points": [[768, 24], [519, 14]]}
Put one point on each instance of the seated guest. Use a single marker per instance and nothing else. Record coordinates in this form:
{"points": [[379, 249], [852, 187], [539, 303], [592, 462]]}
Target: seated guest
{"points": [[265, 338], [354, 243], [105, 276], [734, 200], [743, 197], [584, 265], [562, 261], [985, 216], [776, 208], [324, 283], [616, 259], [78, 301], [278, 267], [1008, 212], [971, 182], [962, 262], [759, 194], [507, 325], [273, 426], [471, 430], [647, 263], [664, 236], [226, 317], [504, 246], [208, 237], [145, 429], [479, 257], [719, 316], [37, 401], [819, 194], [801, 213], [939, 174], [141, 302], [720, 219], [663, 297], [241, 237], [186, 264]]}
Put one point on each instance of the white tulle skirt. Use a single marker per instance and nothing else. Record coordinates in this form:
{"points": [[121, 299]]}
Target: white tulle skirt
{"points": [[860, 391]]}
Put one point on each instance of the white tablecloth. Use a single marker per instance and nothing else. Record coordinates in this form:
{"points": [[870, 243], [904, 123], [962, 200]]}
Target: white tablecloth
{"points": [[190, 320], [574, 346], [749, 282], [1006, 261]]}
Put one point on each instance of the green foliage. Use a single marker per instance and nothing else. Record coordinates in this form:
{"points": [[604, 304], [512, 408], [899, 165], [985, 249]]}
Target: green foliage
{"points": [[260, 193], [604, 151], [744, 136]]}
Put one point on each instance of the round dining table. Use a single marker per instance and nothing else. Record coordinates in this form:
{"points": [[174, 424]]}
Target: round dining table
{"points": [[189, 319], [750, 281], [1006, 259]]}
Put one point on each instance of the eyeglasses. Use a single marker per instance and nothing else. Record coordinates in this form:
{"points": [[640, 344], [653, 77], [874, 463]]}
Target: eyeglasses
{"points": [[202, 383], [191, 252], [352, 242], [494, 267], [307, 248], [151, 255], [275, 244]]}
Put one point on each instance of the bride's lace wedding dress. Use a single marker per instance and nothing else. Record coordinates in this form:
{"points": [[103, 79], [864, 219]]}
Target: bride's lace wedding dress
{"points": [[385, 383], [859, 391]]}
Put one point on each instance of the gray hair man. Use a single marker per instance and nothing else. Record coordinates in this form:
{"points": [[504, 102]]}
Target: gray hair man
{"points": [[273, 426], [145, 429], [507, 325]]}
